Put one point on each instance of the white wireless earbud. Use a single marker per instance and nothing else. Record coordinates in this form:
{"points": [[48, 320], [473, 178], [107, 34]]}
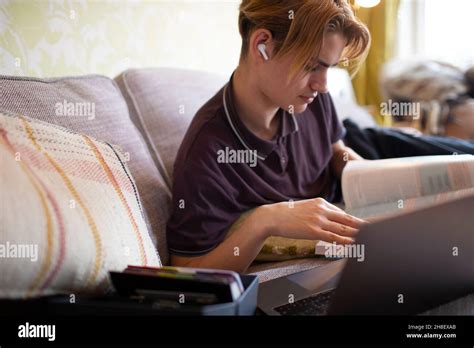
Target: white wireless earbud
{"points": [[261, 48]]}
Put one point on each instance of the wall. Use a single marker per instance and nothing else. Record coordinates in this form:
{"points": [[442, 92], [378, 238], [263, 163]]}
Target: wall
{"points": [[47, 38]]}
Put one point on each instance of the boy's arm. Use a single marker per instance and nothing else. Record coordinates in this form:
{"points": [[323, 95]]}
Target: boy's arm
{"points": [[314, 219], [341, 154], [238, 250]]}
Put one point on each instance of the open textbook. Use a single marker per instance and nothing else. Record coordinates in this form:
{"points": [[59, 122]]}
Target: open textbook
{"points": [[376, 189]]}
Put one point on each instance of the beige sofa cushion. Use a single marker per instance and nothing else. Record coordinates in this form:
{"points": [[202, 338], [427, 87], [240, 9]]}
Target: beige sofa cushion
{"points": [[70, 212], [66, 102], [162, 103], [280, 248]]}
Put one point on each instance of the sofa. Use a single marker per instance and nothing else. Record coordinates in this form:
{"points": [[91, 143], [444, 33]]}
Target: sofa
{"points": [[146, 112]]}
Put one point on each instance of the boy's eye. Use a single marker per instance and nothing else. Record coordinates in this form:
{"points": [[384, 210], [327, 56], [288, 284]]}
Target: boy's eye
{"points": [[312, 67]]}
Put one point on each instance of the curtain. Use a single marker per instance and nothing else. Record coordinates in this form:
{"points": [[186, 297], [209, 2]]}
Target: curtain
{"points": [[382, 23]]}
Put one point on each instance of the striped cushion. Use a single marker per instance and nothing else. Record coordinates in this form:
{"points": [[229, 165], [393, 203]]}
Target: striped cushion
{"points": [[110, 121], [70, 211]]}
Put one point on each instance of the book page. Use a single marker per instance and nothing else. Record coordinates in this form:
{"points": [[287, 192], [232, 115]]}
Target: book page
{"points": [[375, 182], [384, 210]]}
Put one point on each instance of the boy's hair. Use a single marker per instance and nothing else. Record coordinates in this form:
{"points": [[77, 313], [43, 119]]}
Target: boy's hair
{"points": [[298, 27]]}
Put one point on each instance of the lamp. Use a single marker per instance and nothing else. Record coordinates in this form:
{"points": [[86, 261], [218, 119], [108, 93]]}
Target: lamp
{"points": [[367, 3]]}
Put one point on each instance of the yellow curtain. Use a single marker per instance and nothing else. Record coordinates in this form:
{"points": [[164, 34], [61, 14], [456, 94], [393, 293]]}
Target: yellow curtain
{"points": [[382, 22]]}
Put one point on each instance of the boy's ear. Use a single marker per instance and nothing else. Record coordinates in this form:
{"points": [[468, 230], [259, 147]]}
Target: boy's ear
{"points": [[258, 38]]}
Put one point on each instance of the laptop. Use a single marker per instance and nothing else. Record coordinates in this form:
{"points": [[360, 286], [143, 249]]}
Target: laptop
{"points": [[411, 263]]}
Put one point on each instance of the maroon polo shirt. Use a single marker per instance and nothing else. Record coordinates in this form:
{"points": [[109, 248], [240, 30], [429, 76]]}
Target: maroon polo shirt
{"points": [[212, 188]]}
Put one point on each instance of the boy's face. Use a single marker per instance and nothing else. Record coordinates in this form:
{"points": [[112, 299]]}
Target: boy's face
{"points": [[304, 86]]}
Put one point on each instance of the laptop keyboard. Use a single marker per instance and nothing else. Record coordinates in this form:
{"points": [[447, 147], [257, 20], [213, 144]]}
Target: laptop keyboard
{"points": [[313, 305]]}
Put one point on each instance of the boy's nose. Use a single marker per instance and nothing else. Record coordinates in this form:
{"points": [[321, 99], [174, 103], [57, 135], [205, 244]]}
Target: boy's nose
{"points": [[319, 83]]}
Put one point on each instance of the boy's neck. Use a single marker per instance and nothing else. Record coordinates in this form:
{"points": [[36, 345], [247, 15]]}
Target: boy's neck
{"points": [[254, 108]]}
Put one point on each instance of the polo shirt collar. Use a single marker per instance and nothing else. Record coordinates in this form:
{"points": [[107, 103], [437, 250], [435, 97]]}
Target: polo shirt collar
{"points": [[250, 141]]}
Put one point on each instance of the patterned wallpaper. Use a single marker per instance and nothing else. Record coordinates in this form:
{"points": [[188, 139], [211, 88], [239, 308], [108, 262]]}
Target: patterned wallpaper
{"points": [[47, 38]]}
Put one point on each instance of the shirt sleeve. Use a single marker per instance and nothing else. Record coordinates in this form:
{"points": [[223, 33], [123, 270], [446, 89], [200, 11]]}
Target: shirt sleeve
{"points": [[336, 129], [203, 209]]}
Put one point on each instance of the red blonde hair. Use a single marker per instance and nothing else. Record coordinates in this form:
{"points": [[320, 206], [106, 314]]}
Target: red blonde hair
{"points": [[298, 28]]}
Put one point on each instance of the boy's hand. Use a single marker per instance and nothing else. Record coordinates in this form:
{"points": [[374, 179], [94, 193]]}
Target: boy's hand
{"points": [[314, 219]]}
